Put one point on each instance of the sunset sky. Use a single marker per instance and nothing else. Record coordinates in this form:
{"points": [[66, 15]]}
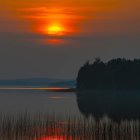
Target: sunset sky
{"points": [[53, 38]]}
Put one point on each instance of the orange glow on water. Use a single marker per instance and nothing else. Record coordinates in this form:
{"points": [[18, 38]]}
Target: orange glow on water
{"points": [[57, 89], [32, 88], [56, 138]]}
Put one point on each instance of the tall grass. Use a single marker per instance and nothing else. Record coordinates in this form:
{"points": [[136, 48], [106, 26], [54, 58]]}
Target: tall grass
{"points": [[48, 127]]}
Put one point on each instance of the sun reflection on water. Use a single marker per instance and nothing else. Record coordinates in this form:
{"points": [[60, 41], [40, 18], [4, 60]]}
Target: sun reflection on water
{"points": [[56, 138]]}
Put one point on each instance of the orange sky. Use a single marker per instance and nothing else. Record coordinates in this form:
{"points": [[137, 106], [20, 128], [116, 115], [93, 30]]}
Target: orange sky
{"points": [[75, 16], [53, 38]]}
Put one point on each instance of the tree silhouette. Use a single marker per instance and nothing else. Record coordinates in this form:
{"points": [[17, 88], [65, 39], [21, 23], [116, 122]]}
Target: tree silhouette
{"points": [[115, 74]]}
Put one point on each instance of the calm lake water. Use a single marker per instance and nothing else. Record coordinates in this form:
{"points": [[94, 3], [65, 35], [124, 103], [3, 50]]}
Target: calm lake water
{"points": [[99, 115], [116, 105], [13, 102]]}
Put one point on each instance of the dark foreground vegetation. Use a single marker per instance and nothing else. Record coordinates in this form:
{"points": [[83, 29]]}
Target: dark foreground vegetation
{"points": [[115, 74], [25, 127]]}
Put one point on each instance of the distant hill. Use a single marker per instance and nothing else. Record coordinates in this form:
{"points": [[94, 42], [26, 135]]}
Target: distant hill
{"points": [[115, 74], [38, 82]]}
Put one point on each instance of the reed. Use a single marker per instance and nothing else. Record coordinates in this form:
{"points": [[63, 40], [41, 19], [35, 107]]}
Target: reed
{"points": [[49, 127]]}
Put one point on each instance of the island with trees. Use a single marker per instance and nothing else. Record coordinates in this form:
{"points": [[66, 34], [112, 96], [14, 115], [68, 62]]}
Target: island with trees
{"points": [[115, 74]]}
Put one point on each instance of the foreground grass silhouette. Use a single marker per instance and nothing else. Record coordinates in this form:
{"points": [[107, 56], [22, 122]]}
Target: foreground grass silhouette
{"points": [[47, 127]]}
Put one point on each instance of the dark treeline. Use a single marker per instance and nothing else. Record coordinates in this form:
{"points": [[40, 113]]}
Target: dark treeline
{"points": [[115, 74]]}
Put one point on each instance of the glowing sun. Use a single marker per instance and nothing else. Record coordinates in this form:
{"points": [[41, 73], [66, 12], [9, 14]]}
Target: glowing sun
{"points": [[55, 30]]}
